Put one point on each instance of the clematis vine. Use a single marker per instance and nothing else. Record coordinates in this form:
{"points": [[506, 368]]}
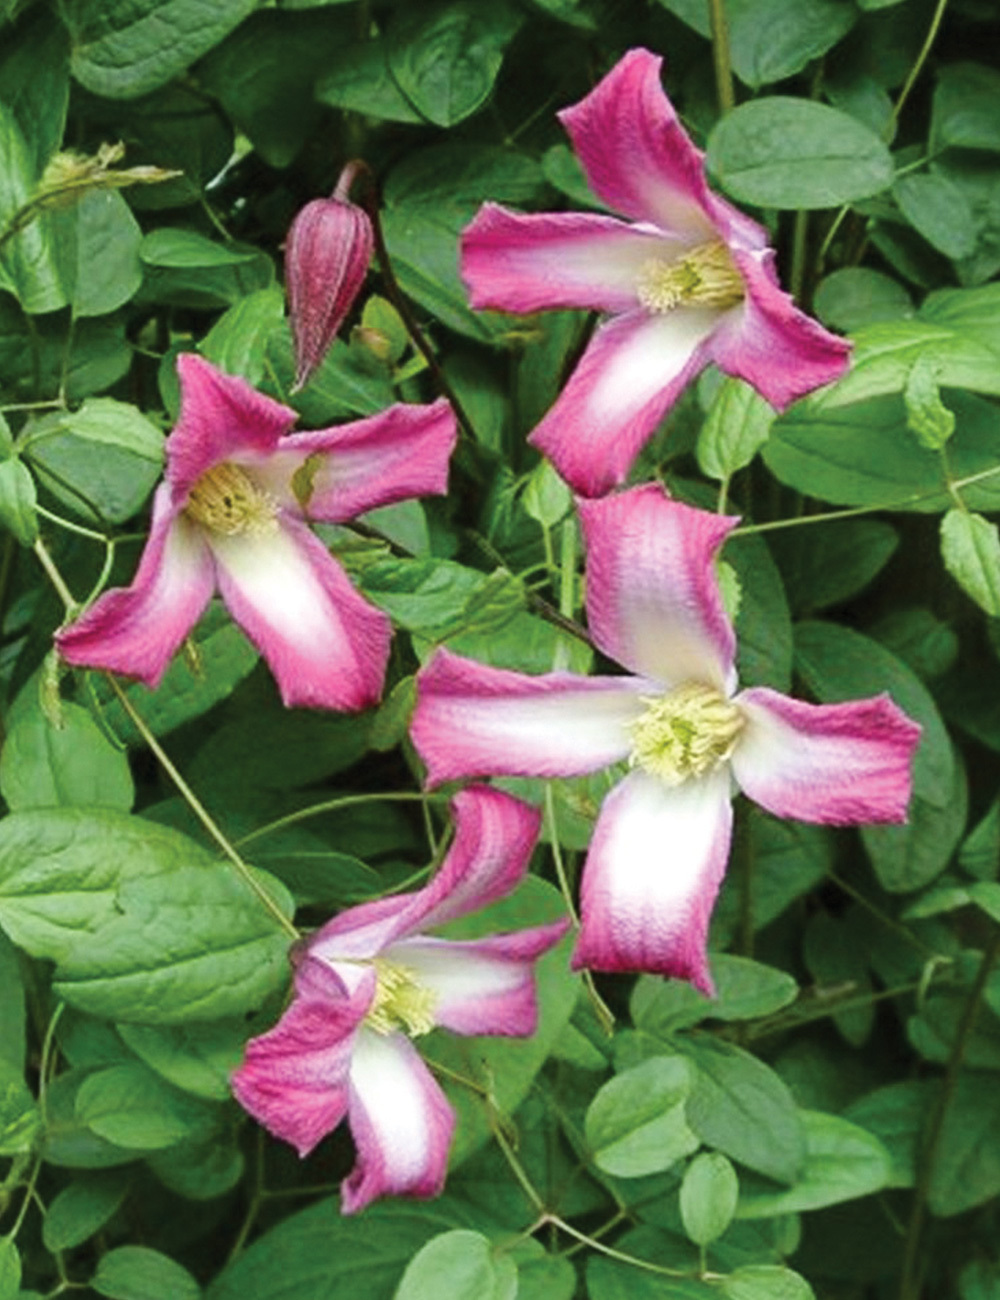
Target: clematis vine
{"points": [[686, 280], [661, 843], [372, 980], [232, 514]]}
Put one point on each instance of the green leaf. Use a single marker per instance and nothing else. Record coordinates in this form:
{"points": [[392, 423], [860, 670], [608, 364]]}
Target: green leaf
{"points": [[10, 1269], [709, 1194], [12, 1039], [108, 270], [635, 1125], [856, 296], [965, 111], [736, 427], [743, 1109], [970, 548], [765, 1282], [763, 623], [825, 564], [445, 56], [896, 1114], [197, 1058], [937, 209], [143, 925], [439, 598], [927, 417], [126, 48], [30, 262], [837, 664], [979, 1280], [357, 78], [237, 342], [34, 84], [966, 1170], [17, 501], [68, 1143], [70, 765], [101, 460], [200, 1170], [20, 1119], [138, 1273], [744, 990], [546, 496], [169, 247], [461, 1265], [781, 152], [611, 1279], [81, 1209], [842, 1162], [132, 1107], [980, 851]]}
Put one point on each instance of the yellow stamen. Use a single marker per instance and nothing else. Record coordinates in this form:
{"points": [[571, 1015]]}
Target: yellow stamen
{"points": [[401, 1002], [705, 277], [226, 500], [686, 733]]}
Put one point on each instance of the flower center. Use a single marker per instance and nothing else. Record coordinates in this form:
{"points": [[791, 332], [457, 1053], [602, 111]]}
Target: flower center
{"points": [[226, 500], [400, 1001], [705, 276], [685, 733]]}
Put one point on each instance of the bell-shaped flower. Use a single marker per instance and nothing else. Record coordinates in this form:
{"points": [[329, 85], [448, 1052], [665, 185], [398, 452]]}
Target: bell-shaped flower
{"points": [[327, 252], [371, 981], [685, 280], [661, 843], [231, 514]]}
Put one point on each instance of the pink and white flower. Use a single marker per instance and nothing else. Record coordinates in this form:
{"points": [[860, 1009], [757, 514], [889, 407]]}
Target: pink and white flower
{"points": [[232, 515], [661, 842], [685, 280], [373, 979]]}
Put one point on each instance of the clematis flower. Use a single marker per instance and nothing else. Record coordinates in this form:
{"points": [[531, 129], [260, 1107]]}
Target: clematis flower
{"points": [[372, 980], [661, 843], [686, 280], [327, 252], [231, 514]]}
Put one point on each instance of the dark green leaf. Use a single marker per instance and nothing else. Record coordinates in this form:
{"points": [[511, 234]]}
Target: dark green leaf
{"points": [[939, 211], [82, 1208], [966, 112]]}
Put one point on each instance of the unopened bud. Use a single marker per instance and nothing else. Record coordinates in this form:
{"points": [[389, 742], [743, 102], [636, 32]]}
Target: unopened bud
{"points": [[327, 253]]}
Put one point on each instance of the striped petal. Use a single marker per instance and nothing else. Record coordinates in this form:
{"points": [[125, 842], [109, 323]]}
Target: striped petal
{"points": [[473, 720], [651, 877], [653, 599], [326, 646], [137, 630], [633, 370], [400, 1120], [525, 263], [840, 764]]}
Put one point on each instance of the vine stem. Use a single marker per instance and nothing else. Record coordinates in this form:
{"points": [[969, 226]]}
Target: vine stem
{"points": [[334, 805], [199, 809], [721, 60], [908, 1285], [918, 66]]}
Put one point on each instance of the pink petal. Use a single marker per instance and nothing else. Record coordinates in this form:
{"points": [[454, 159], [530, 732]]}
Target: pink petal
{"points": [[400, 1120], [520, 263], [222, 418], [840, 764], [137, 630], [633, 370], [294, 1078], [326, 646], [473, 720], [768, 342], [495, 835], [482, 986], [401, 452], [654, 868], [653, 599], [637, 156]]}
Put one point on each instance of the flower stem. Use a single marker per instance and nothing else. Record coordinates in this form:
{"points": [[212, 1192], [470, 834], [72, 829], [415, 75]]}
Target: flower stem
{"points": [[918, 67], [200, 811], [334, 805], [53, 574], [721, 61]]}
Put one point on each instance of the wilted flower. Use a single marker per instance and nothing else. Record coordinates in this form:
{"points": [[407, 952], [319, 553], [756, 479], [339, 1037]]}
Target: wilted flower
{"points": [[231, 514], [372, 980], [327, 252], [688, 280], [661, 842]]}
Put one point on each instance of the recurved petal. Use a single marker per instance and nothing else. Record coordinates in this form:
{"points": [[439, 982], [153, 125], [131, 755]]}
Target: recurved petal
{"points": [[524, 263], [652, 873], [494, 838], [637, 156], [632, 372], [481, 986], [137, 630], [400, 1120], [653, 598], [326, 646], [341, 472], [221, 418], [768, 342], [293, 1079], [474, 720], [841, 764]]}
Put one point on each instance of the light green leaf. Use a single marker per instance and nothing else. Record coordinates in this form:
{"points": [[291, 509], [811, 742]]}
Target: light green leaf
{"points": [[927, 417], [765, 1282], [461, 1265], [708, 1197], [736, 427], [745, 990], [237, 342], [965, 111], [636, 1125], [856, 296], [70, 765], [108, 270], [17, 501], [197, 1058], [10, 1269], [132, 1107], [31, 264], [896, 1114], [546, 496], [170, 247], [966, 1169], [781, 152], [937, 209], [970, 548], [138, 1273]]}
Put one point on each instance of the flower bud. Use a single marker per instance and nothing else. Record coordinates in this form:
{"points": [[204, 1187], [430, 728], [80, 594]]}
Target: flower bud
{"points": [[327, 253]]}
